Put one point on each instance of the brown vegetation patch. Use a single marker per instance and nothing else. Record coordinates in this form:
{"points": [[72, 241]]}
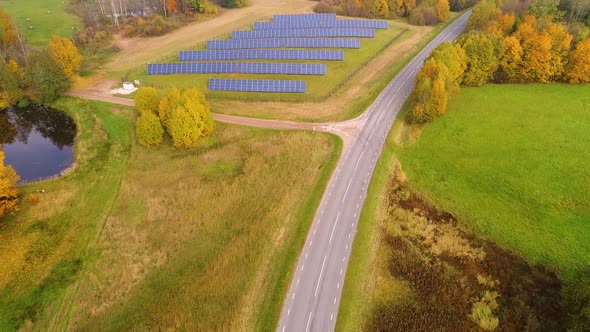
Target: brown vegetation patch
{"points": [[459, 282]]}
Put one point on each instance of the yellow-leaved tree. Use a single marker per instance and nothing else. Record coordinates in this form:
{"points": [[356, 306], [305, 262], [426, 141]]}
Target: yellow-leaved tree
{"points": [[8, 190], [188, 117], [579, 63], [442, 9], [66, 54]]}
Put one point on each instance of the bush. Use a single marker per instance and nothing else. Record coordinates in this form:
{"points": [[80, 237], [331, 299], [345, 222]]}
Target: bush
{"points": [[47, 79], [148, 129], [322, 7]]}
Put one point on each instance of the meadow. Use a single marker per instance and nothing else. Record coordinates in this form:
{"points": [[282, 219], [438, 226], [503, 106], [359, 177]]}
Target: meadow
{"points": [[521, 145], [510, 161], [142, 239], [46, 17]]}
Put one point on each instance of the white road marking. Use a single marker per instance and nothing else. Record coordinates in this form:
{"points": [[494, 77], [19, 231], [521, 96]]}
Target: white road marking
{"points": [[346, 247], [346, 192], [340, 271], [292, 297], [355, 215], [302, 266], [284, 326], [334, 228], [289, 312], [357, 162], [332, 317], [338, 286], [343, 258], [320, 278], [334, 300], [308, 321], [297, 281]]}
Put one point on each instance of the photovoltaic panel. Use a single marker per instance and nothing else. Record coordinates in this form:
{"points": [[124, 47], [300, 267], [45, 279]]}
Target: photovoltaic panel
{"points": [[283, 43], [367, 24], [236, 67], [217, 84], [290, 18], [304, 33], [241, 54]]}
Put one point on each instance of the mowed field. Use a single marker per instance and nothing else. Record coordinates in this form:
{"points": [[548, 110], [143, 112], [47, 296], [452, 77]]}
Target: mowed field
{"points": [[148, 239], [319, 87], [46, 17], [511, 161]]}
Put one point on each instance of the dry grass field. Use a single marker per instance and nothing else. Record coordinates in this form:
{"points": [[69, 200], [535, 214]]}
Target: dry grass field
{"points": [[145, 239]]}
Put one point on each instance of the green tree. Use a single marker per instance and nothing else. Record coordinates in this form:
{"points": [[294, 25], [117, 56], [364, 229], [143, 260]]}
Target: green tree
{"points": [[147, 100], [46, 78], [483, 55], [541, 8], [148, 129], [8, 190], [10, 91], [483, 12]]}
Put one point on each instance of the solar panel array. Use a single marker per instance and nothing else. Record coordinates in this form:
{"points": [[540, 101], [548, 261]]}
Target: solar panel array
{"points": [[237, 67], [304, 33], [311, 34], [283, 43], [218, 84], [240, 54], [368, 24]]}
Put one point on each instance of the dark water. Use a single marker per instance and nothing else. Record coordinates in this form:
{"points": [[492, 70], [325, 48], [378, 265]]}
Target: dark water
{"points": [[37, 141]]}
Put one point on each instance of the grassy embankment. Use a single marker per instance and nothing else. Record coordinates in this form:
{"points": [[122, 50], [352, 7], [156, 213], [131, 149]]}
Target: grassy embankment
{"points": [[46, 17], [318, 87], [152, 238], [507, 160]]}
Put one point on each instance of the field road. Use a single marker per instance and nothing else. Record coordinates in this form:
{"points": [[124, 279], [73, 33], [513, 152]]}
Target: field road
{"points": [[316, 287], [315, 290]]}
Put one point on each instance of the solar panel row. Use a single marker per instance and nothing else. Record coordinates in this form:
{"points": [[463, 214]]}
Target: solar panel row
{"points": [[236, 67], [368, 24], [283, 43], [218, 84], [309, 33], [304, 17], [240, 54]]}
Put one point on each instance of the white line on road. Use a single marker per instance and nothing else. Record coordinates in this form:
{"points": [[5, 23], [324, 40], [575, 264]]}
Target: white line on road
{"points": [[357, 162], [320, 278], [346, 192], [308, 321], [289, 312], [332, 317], [284, 326], [297, 281], [334, 300], [338, 286], [302, 266], [334, 228]]}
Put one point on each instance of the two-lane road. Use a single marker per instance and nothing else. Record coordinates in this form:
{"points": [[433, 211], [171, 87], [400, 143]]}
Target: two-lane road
{"points": [[314, 295]]}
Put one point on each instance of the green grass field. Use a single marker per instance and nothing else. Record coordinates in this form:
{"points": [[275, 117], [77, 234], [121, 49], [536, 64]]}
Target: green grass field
{"points": [[44, 24], [511, 162], [318, 87], [143, 239]]}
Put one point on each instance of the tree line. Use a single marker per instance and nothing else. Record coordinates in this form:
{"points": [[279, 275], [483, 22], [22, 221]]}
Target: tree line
{"points": [[525, 45], [184, 115], [39, 74], [419, 12]]}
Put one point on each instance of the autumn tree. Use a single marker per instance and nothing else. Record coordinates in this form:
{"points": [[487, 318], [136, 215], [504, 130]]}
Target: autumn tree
{"points": [[442, 9], [190, 121], [579, 63], [8, 190], [148, 129], [536, 61], [65, 54], [483, 54], [169, 101], [379, 8], [430, 95], [147, 100], [560, 48], [511, 61], [8, 31], [172, 6], [454, 58]]}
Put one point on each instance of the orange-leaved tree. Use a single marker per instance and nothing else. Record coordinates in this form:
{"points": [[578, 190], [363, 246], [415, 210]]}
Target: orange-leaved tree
{"points": [[442, 9], [579, 63], [65, 54], [8, 190], [8, 31]]}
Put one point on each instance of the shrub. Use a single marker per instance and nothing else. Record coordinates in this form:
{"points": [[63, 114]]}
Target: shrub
{"points": [[423, 16], [47, 79], [148, 129]]}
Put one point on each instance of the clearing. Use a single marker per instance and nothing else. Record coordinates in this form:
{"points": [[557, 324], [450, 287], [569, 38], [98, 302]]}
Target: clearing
{"points": [[45, 17], [135, 233]]}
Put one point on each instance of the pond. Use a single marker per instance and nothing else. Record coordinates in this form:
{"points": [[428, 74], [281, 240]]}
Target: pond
{"points": [[37, 141]]}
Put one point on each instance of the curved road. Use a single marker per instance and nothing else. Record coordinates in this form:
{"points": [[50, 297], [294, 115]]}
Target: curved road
{"points": [[315, 291]]}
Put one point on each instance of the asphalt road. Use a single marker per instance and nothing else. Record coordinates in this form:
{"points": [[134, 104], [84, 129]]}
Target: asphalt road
{"points": [[314, 294]]}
